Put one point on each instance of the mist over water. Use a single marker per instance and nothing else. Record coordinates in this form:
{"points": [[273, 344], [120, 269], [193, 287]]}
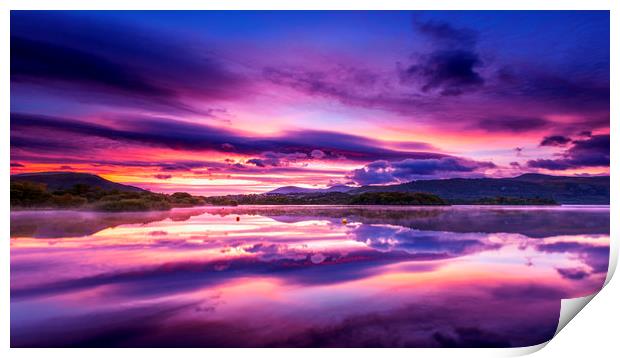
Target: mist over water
{"points": [[311, 276]]}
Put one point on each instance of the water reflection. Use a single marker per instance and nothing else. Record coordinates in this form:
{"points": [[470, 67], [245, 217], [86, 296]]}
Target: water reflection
{"points": [[59, 224], [298, 276]]}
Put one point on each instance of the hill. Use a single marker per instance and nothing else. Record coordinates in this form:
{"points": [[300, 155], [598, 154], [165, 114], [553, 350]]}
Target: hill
{"points": [[64, 190], [300, 190], [561, 189], [67, 180]]}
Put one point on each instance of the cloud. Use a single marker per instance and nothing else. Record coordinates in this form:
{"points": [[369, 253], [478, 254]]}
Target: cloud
{"points": [[384, 172], [594, 256], [258, 162], [16, 165], [518, 151], [374, 173], [180, 135], [380, 90], [179, 165], [504, 96], [110, 61], [40, 61], [550, 164], [446, 34], [593, 151], [532, 291], [554, 89], [162, 176], [317, 154], [555, 141], [452, 67], [274, 159], [448, 72], [454, 81], [572, 273], [349, 86], [227, 146], [394, 238], [511, 124], [62, 50], [40, 143], [589, 152], [321, 83]]}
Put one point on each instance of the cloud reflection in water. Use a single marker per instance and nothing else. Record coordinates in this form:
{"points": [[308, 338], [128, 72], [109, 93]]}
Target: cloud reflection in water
{"points": [[296, 276]]}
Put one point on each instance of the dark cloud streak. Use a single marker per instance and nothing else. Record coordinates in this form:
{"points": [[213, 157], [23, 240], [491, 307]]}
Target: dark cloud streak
{"points": [[555, 141], [39, 61], [160, 132], [589, 152], [448, 72], [100, 61]]}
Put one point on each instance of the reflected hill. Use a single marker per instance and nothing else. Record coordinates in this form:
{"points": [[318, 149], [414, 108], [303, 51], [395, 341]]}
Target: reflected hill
{"points": [[531, 221], [50, 224]]}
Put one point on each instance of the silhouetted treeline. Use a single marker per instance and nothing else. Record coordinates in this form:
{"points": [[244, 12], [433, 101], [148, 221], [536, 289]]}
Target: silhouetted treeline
{"points": [[368, 198], [335, 198], [26, 194]]}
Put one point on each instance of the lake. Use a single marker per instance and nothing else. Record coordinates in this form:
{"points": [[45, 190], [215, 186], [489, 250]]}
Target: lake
{"points": [[295, 276]]}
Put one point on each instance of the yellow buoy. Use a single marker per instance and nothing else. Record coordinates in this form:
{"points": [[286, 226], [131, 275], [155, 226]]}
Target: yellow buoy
{"points": [[344, 221]]}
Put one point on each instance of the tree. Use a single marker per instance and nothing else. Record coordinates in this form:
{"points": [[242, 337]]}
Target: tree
{"points": [[28, 194]]}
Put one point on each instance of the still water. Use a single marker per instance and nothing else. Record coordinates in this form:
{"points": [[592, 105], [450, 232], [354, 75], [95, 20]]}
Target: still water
{"points": [[295, 276]]}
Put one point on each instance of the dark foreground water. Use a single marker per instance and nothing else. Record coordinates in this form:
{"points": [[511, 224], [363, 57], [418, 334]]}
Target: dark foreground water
{"points": [[300, 276]]}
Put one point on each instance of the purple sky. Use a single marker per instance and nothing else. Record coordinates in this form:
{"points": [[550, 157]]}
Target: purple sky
{"points": [[219, 102]]}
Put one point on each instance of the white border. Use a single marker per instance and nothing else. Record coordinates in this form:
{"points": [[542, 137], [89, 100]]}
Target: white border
{"points": [[605, 319]]}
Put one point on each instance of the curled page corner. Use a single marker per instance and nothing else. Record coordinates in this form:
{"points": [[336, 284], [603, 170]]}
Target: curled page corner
{"points": [[569, 309], [572, 306], [523, 351], [613, 261]]}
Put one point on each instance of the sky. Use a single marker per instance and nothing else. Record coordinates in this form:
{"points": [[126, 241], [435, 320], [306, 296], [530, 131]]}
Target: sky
{"points": [[236, 102]]}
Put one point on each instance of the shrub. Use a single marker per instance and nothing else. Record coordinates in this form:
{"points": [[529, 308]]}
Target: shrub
{"points": [[28, 194], [67, 201]]}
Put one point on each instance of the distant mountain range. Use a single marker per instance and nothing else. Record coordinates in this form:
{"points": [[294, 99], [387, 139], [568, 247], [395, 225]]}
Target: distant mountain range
{"points": [[300, 190], [562, 189], [66, 181]]}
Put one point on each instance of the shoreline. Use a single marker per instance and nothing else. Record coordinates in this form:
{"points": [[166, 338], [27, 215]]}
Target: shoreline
{"points": [[383, 207]]}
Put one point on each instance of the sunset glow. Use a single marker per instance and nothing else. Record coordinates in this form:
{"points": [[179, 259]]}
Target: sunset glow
{"points": [[244, 102]]}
